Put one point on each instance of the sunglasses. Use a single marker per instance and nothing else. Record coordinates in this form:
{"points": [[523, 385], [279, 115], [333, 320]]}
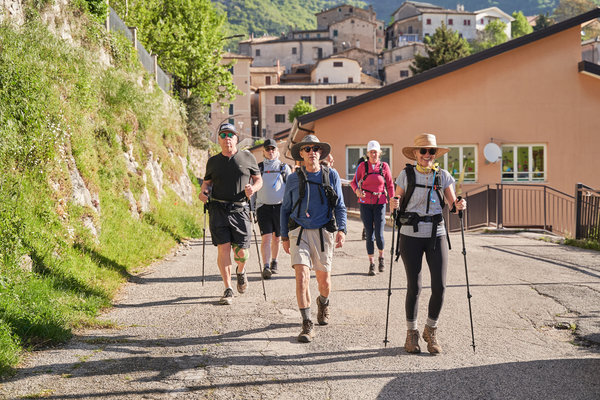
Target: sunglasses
{"points": [[431, 151], [307, 149], [270, 148], [223, 135]]}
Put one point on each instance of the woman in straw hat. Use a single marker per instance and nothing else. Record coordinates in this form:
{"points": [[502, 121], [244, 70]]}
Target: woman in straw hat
{"points": [[422, 231]]}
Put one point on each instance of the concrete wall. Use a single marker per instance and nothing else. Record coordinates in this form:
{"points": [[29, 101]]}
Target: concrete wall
{"points": [[349, 69]]}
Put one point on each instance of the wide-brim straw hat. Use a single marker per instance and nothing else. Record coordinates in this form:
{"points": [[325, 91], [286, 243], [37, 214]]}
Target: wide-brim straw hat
{"points": [[426, 141], [309, 139]]}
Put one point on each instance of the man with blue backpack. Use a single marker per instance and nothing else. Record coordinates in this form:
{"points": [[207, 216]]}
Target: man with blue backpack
{"points": [[313, 222]]}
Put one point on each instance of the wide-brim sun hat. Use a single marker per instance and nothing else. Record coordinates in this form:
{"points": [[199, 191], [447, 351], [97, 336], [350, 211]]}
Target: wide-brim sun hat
{"points": [[424, 141], [309, 139]]}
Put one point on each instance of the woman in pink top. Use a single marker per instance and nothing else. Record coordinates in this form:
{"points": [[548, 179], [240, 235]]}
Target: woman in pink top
{"points": [[373, 184]]}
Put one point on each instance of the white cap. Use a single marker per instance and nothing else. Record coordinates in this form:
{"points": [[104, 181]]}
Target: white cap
{"points": [[373, 145]]}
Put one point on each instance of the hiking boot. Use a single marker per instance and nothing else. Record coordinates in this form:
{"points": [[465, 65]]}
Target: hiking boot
{"points": [[381, 265], [308, 332], [242, 282], [274, 266], [266, 273], [429, 335], [412, 341], [323, 312], [227, 298], [371, 269]]}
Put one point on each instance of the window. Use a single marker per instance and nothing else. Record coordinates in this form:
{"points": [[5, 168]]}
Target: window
{"points": [[467, 22], [353, 153], [461, 159], [450, 21], [279, 118], [482, 20], [338, 64], [335, 32], [524, 163], [325, 79], [428, 21], [371, 61], [279, 99], [294, 50], [404, 73], [306, 99], [398, 58], [231, 121], [231, 109], [349, 97], [410, 28], [350, 79], [331, 100], [267, 80], [257, 52]]}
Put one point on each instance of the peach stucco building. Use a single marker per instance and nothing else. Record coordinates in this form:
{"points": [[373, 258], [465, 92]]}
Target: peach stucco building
{"points": [[533, 97]]}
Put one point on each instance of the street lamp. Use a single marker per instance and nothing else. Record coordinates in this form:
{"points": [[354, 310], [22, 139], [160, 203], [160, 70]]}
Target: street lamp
{"points": [[256, 128]]}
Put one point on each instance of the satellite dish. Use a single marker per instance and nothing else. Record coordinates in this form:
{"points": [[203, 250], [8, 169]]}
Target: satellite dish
{"points": [[492, 152]]}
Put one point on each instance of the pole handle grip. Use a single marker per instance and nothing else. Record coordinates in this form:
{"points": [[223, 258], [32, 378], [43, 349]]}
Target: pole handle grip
{"points": [[460, 212]]}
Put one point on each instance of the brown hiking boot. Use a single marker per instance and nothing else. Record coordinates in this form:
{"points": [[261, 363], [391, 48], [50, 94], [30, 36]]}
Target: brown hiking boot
{"points": [[323, 312], [308, 332], [412, 341], [433, 346], [381, 265], [371, 269], [242, 282]]}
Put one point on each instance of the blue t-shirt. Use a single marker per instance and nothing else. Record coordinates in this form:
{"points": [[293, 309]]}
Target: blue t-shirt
{"points": [[314, 211]]}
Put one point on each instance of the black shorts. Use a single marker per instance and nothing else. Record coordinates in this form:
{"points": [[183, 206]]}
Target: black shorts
{"points": [[229, 224], [269, 217]]}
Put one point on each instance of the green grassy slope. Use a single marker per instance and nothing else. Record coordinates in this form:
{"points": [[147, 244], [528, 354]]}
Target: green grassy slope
{"points": [[61, 107]]}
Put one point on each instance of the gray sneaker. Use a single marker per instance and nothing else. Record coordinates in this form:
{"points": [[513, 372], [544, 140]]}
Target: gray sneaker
{"points": [[308, 332], [227, 298], [274, 266], [242, 282]]}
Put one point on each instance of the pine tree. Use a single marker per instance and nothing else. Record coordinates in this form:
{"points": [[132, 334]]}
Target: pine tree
{"points": [[443, 47]]}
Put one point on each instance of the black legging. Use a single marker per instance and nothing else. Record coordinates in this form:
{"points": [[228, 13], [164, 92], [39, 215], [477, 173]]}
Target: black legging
{"points": [[412, 249]]}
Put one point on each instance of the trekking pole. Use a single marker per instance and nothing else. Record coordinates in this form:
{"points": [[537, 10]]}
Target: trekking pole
{"points": [[464, 252], [387, 313], [253, 216], [204, 241]]}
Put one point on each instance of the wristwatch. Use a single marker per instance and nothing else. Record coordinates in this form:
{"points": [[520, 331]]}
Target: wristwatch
{"points": [[343, 230]]}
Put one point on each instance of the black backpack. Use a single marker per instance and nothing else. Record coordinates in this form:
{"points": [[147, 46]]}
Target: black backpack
{"points": [[261, 167], [330, 194], [404, 218]]}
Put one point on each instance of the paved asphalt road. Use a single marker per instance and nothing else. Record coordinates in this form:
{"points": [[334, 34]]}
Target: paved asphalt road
{"points": [[174, 341]]}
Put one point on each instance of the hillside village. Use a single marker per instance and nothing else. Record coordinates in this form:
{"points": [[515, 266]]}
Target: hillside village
{"points": [[350, 53]]}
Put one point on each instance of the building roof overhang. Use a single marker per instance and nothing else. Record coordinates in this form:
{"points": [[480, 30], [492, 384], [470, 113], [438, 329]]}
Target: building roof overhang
{"points": [[589, 68]]}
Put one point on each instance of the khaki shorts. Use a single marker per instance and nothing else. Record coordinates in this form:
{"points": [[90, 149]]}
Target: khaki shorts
{"points": [[309, 251]]}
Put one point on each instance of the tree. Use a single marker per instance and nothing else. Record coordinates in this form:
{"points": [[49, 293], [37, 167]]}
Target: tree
{"points": [[570, 8], [300, 108], [187, 36], [443, 47], [492, 35], [520, 26], [543, 21]]}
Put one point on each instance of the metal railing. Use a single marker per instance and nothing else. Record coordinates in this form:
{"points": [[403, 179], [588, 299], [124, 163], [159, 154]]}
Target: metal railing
{"points": [[149, 62], [588, 213]]}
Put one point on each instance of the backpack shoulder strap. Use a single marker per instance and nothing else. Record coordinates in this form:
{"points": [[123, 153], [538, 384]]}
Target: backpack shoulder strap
{"points": [[410, 187], [325, 175], [282, 171], [261, 167]]}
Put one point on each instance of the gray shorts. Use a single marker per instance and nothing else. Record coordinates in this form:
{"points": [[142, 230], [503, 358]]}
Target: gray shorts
{"points": [[309, 251]]}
